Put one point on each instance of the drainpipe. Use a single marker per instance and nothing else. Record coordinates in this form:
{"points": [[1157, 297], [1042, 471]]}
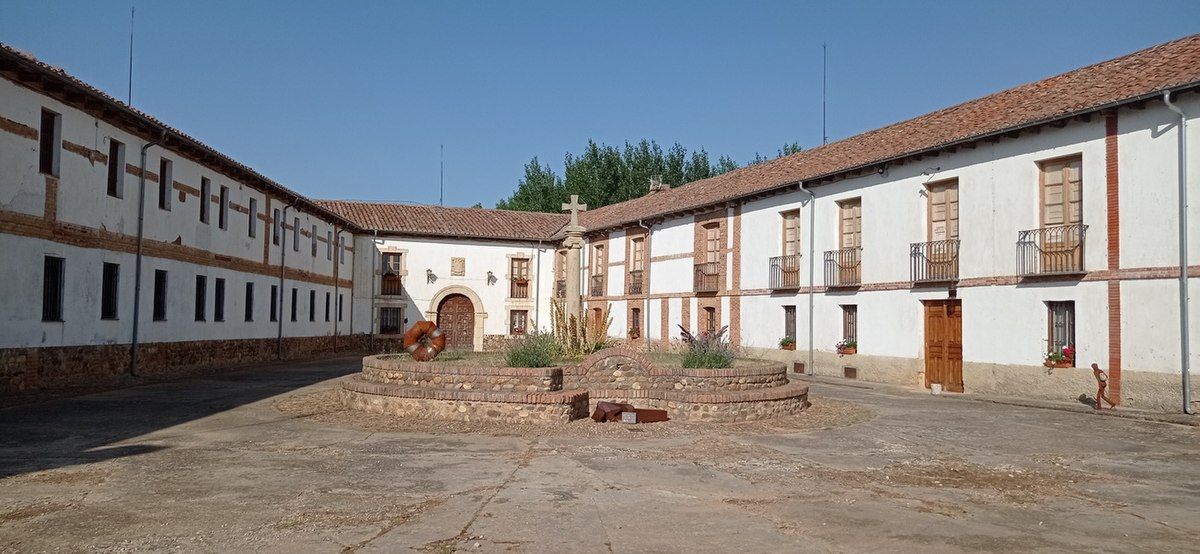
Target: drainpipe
{"points": [[1184, 349], [282, 267], [137, 265], [812, 239]]}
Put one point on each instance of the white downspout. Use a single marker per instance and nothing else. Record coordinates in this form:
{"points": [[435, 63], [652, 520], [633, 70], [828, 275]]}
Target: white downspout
{"points": [[1184, 349], [809, 369]]}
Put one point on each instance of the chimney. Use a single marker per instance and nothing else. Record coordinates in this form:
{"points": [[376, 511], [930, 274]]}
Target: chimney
{"points": [[656, 185]]}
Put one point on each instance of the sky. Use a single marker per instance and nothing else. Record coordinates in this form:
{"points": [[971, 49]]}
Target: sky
{"points": [[351, 100]]}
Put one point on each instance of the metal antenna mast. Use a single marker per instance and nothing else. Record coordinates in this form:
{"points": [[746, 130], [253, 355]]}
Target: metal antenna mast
{"points": [[824, 136], [441, 175], [129, 92]]}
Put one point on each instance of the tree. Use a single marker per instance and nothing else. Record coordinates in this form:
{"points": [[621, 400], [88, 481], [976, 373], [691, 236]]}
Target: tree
{"points": [[787, 150], [604, 174]]}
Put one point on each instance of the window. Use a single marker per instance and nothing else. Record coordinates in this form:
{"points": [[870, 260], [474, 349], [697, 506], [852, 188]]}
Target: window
{"points": [[517, 321], [327, 295], [219, 300], [340, 298], [160, 295], [598, 260], [789, 322], [391, 282], [166, 180], [850, 232], [295, 234], [712, 242], [1060, 332], [390, 321], [252, 220], [249, 301], [205, 198], [943, 211], [274, 303], [116, 169], [791, 232], [223, 209], [275, 223], [329, 245], [312, 305], [341, 250], [110, 281], [50, 143], [519, 271], [201, 296], [53, 277], [313, 235], [710, 320], [638, 254], [1062, 192], [850, 322], [295, 296], [635, 322]]}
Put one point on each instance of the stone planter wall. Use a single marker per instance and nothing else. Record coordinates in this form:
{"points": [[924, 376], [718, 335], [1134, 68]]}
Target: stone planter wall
{"points": [[401, 369]]}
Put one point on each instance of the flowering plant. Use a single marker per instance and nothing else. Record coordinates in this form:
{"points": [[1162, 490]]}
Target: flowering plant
{"points": [[1064, 355], [787, 341]]}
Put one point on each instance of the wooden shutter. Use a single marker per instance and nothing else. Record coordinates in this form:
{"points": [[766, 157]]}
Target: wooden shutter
{"points": [[851, 223], [639, 250], [943, 211], [1062, 192], [712, 249], [791, 233]]}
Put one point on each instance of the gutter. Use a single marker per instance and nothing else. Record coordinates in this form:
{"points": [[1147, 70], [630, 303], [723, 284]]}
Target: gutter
{"points": [[1184, 316], [137, 266]]}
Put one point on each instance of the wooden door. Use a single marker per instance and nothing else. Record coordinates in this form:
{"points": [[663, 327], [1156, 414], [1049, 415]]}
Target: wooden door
{"points": [[850, 237], [456, 318], [941, 253], [1062, 214], [943, 344]]}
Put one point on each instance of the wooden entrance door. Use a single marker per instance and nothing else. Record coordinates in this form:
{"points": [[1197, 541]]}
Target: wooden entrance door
{"points": [[943, 344], [456, 318]]}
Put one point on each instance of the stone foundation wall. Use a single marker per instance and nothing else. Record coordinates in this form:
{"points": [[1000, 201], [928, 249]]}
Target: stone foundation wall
{"points": [[424, 403], [716, 407], [446, 375], [623, 368]]}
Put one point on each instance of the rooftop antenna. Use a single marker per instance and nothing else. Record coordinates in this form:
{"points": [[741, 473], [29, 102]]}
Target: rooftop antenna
{"points": [[824, 136], [441, 174], [129, 93]]}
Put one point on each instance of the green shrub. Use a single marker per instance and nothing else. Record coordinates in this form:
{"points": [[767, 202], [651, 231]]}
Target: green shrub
{"points": [[533, 350], [710, 351]]}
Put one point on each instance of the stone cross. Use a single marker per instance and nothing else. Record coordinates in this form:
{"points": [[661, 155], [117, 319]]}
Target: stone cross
{"points": [[575, 207]]}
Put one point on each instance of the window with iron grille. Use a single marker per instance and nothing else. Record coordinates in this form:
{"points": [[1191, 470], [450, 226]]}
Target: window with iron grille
{"points": [[850, 322], [219, 300], [789, 322], [201, 297], [160, 295], [252, 219], [50, 143], [116, 169], [109, 288], [391, 321], [313, 235], [312, 305], [635, 323], [327, 295], [340, 299], [274, 303], [710, 320], [391, 280], [53, 280], [1060, 332], [518, 320], [295, 297], [166, 179], [519, 272], [249, 301]]}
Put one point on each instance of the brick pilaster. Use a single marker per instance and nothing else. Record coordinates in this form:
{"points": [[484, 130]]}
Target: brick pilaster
{"points": [[1113, 250]]}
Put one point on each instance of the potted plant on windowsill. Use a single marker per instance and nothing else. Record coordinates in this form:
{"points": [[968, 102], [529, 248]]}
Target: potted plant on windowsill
{"points": [[787, 343], [1061, 358], [634, 333], [847, 347]]}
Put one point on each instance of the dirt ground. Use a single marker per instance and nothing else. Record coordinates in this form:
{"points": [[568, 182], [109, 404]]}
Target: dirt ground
{"points": [[266, 460]]}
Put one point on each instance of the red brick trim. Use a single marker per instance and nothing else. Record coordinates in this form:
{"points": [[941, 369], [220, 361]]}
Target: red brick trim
{"points": [[50, 209], [665, 310], [1113, 218], [685, 313], [735, 301], [19, 129], [90, 155], [137, 172]]}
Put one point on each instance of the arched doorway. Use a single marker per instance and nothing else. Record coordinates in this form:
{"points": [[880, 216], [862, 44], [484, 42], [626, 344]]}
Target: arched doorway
{"points": [[456, 318]]}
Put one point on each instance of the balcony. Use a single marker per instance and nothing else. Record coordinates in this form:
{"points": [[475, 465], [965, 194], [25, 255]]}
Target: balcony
{"points": [[1056, 250], [633, 282], [518, 288], [934, 261], [707, 277], [596, 287], [842, 267], [560, 288], [391, 285], [785, 272]]}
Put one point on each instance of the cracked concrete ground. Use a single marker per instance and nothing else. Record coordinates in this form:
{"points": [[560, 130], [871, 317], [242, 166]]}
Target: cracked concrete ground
{"points": [[214, 464]]}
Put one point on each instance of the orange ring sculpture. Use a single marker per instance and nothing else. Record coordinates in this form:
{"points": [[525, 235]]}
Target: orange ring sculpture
{"points": [[424, 341]]}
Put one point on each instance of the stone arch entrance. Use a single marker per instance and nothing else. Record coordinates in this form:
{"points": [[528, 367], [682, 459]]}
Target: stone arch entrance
{"points": [[463, 319]]}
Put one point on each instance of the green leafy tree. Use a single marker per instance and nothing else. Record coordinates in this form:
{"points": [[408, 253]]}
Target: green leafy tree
{"points": [[786, 150]]}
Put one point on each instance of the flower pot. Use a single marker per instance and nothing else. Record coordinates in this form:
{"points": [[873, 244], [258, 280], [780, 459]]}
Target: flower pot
{"points": [[849, 350], [1056, 365], [788, 346]]}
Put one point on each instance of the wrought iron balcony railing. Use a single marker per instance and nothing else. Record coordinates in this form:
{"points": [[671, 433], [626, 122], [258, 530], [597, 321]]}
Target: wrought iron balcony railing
{"points": [[597, 286], [633, 282], [934, 261], [842, 267], [560, 288], [518, 288], [785, 272], [391, 285], [706, 277], [1056, 250]]}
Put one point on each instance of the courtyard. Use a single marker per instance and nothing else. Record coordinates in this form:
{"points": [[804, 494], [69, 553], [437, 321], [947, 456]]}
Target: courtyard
{"points": [[265, 459]]}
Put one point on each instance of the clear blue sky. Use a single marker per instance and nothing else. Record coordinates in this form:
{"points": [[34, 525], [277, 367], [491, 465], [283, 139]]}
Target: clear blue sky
{"points": [[352, 99]]}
